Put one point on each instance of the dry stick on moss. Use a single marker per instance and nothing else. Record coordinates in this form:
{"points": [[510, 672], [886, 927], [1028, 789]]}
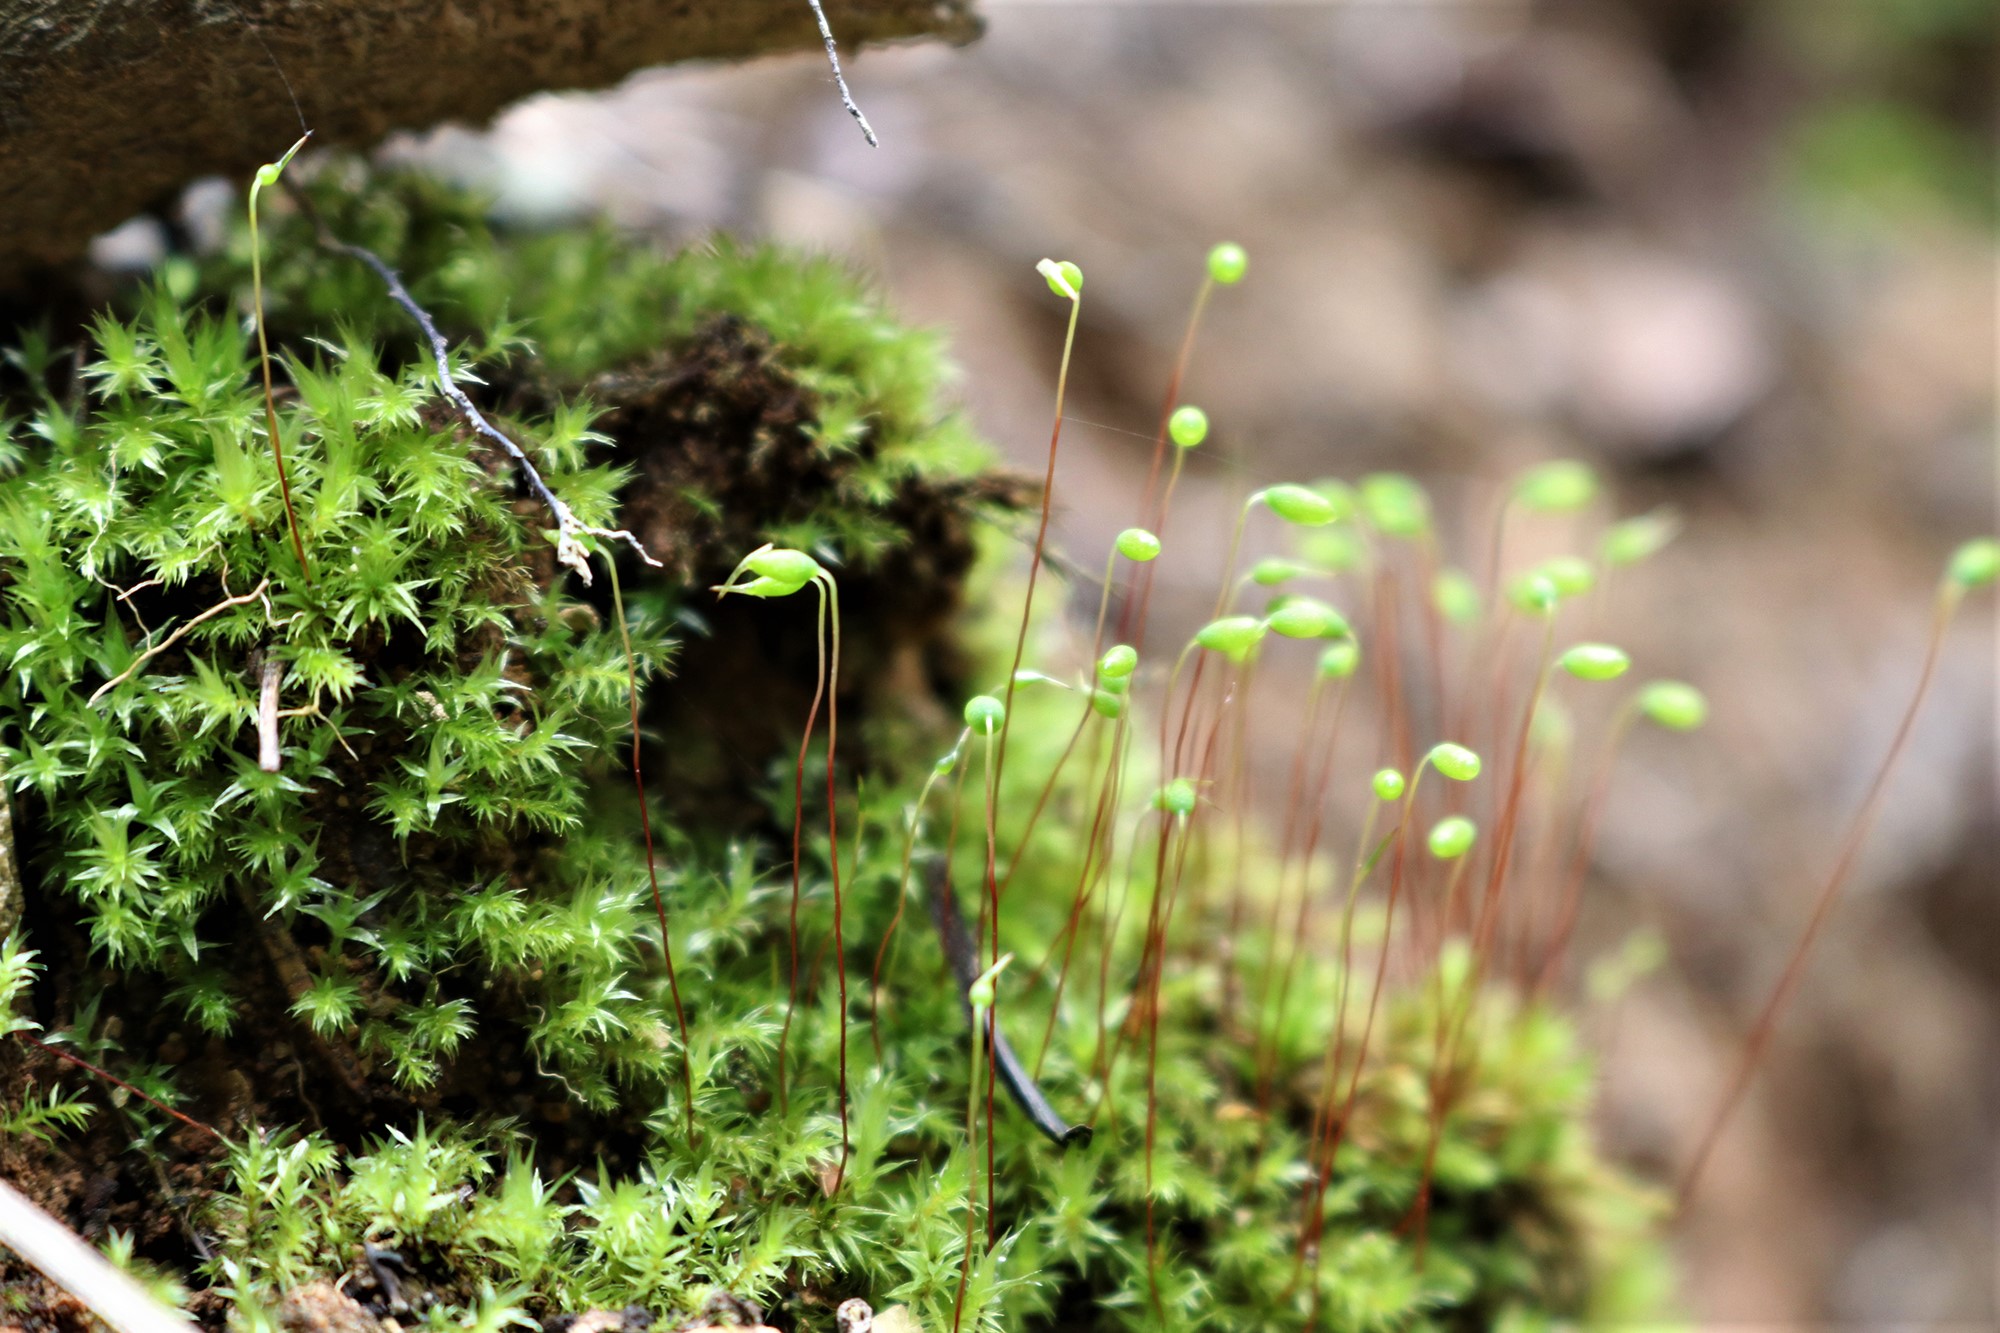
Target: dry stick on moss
{"points": [[1948, 597], [652, 865], [69, 1262], [570, 550], [225, 604], [839, 79]]}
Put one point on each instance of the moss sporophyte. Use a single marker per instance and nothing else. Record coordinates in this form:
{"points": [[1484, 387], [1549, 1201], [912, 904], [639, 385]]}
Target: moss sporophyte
{"points": [[435, 902]]}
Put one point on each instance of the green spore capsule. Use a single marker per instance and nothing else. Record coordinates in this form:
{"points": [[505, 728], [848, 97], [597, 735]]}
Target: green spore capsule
{"points": [[1536, 594], [1389, 785], [1339, 660], [1232, 636], [1227, 263], [1188, 426], [1595, 661], [1115, 684], [1340, 495], [981, 993], [1975, 564], [1452, 837], [783, 565], [1064, 278], [1454, 761], [1138, 545], [1674, 704], [1556, 487], [760, 587], [945, 763], [1631, 540], [1395, 504], [1108, 703], [1300, 505], [1455, 596], [985, 714], [1176, 798], [1331, 549], [1571, 574], [1119, 662], [1307, 618], [1273, 570]]}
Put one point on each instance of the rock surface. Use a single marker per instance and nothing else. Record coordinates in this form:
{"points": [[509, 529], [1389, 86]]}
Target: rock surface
{"points": [[107, 106]]}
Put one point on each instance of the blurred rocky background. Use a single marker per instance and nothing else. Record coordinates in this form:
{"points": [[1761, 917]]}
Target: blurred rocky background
{"points": [[1740, 254]]}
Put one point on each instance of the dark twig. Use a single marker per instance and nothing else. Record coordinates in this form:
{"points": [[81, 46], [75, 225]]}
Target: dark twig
{"points": [[839, 79], [965, 969], [569, 550]]}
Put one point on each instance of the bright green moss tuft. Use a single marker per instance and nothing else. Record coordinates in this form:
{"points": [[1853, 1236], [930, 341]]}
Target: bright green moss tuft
{"points": [[438, 905]]}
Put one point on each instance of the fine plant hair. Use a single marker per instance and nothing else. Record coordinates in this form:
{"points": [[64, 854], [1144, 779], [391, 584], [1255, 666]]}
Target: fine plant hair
{"points": [[1321, 1075]]}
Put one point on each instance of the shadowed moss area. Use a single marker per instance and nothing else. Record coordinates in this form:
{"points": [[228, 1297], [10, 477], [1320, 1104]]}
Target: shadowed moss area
{"points": [[414, 976]]}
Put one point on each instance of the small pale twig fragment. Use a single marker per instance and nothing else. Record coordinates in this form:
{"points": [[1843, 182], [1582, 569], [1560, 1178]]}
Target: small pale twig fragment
{"points": [[67, 1261], [267, 715], [839, 79]]}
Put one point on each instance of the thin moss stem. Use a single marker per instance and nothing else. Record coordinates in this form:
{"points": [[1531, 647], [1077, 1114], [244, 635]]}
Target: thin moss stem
{"points": [[1948, 597]]}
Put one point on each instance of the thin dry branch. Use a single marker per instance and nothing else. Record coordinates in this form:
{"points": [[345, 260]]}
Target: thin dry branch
{"points": [[569, 550], [225, 604], [839, 79]]}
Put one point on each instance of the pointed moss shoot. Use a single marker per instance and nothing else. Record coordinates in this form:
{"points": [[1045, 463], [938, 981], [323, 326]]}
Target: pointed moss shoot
{"points": [[267, 176]]}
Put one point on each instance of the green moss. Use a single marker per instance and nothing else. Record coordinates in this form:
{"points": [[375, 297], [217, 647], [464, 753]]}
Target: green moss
{"points": [[444, 888]]}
